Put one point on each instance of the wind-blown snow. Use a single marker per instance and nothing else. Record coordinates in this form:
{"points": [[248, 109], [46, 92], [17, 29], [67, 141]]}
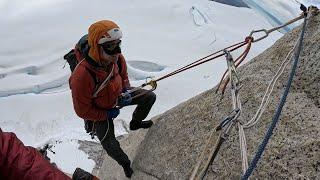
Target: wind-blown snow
{"points": [[159, 37]]}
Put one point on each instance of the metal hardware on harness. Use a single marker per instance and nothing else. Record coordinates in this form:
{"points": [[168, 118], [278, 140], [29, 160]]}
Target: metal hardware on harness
{"points": [[151, 83]]}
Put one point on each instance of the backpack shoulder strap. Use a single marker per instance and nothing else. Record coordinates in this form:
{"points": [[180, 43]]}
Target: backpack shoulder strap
{"points": [[104, 83], [94, 77], [119, 66]]}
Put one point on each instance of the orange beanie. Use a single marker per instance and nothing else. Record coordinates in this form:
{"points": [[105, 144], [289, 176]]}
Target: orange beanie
{"points": [[97, 31]]}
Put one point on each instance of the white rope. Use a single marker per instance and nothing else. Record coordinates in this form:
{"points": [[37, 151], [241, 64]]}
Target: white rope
{"points": [[237, 104], [78, 65], [104, 83], [243, 148], [265, 101], [266, 98], [105, 135]]}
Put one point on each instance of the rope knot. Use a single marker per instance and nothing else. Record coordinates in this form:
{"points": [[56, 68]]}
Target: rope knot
{"points": [[249, 39]]}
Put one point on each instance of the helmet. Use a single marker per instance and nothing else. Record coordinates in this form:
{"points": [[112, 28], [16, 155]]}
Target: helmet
{"points": [[111, 35]]}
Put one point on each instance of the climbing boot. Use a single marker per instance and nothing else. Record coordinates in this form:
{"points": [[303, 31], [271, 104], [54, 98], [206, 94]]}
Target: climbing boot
{"points": [[143, 124]]}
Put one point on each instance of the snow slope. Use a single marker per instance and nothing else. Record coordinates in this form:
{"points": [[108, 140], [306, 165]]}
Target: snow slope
{"points": [[159, 37], [277, 12]]}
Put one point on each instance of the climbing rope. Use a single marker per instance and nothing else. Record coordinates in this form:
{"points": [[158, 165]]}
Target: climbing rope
{"points": [[215, 55], [276, 117], [228, 121], [269, 90], [205, 59], [248, 41], [255, 119], [237, 104], [312, 10], [238, 61]]}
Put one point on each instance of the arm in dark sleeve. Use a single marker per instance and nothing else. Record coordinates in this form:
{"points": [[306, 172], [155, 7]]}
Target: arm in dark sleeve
{"points": [[23, 162]]}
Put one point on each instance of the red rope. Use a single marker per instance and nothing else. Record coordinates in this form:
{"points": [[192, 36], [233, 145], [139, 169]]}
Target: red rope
{"points": [[203, 60], [238, 61]]}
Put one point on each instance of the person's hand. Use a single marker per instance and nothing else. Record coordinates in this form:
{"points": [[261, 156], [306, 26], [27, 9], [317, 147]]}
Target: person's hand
{"points": [[113, 113], [124, 90], [124, 99]]}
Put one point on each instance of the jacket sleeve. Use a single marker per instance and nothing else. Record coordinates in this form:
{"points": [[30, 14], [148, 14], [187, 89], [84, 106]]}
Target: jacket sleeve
{"points": [[124, 72], [82, 89], [23, 162]]}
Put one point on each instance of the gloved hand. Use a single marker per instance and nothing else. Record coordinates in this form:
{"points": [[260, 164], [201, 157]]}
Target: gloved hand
{"points": [[124, 99], [124, 90], [113, 113]]}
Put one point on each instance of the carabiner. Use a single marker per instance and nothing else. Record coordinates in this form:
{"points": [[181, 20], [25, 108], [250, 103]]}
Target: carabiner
{"points": [[262, 37], [152, 83]]}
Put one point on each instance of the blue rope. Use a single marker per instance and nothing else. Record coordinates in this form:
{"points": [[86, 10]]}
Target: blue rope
{"points": [[275, 119]]}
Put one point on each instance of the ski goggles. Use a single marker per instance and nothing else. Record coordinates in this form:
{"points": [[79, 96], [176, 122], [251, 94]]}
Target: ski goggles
{"points": [[112, 47]]}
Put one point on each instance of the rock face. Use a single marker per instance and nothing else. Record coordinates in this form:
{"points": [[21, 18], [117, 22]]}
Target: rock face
{"points": [[171, 148]]}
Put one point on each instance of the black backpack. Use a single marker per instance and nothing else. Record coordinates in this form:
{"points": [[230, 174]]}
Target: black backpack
{"points": [[73, 58], [81, 50]]}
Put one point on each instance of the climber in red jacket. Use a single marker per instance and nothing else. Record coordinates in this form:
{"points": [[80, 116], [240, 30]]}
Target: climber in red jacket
{"points": [[20, 162]]}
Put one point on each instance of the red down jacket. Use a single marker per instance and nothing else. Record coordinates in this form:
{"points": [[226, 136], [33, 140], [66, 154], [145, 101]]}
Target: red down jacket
{"points": [[83, 87], [19, 162]]}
